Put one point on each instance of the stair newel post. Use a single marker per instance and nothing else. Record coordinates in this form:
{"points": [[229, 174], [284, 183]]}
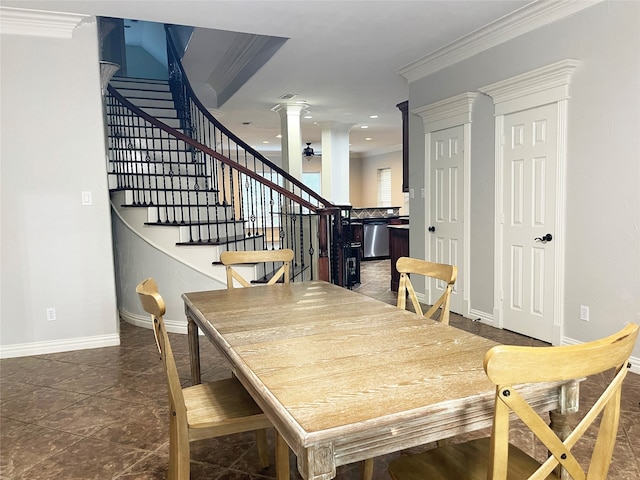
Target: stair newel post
{"points": [[324, 270], [337, 249]]}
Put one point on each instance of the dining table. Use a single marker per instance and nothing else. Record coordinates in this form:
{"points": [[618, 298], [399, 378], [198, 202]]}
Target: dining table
{"points": [[344, 377]]}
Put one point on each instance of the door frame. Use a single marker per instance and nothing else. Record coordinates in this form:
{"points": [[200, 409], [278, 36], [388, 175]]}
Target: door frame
{"points": [[452, 112], [542, 86]]}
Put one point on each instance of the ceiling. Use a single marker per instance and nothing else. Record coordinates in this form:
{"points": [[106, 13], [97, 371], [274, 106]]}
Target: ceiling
{"points": [[341, 57]]}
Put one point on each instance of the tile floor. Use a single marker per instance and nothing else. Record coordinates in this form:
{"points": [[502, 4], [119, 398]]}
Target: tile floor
{"points": [[102, 413]]}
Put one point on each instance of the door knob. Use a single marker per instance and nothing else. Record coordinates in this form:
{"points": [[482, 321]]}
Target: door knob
{"points": [[432, 229], [547, 238]]}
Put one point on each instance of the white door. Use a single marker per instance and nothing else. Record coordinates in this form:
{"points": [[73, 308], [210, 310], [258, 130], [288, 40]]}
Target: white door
{"points": [[529, 209], [446, 229]]}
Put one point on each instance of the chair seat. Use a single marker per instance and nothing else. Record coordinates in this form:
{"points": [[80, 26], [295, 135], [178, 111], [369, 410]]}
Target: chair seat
{"points": [[464, 461], [223, 406]]}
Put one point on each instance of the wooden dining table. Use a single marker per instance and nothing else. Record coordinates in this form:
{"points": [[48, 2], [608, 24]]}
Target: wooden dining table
{"points": [[344, 377]]}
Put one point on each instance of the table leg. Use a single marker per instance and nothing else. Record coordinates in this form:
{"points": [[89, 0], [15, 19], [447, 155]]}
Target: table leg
{"points": [[194, 350], [562, 421], [282, 458]]}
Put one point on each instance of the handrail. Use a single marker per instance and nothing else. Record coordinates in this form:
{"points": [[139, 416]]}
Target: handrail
{"points": [[190, 141]]}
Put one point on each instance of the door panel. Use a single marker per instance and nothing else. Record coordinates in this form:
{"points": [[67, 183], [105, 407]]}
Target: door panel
{"points": [[446, 211], [529, 160]]}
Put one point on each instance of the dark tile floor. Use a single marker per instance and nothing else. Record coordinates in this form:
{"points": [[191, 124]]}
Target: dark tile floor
{"points": [[102, 413]]}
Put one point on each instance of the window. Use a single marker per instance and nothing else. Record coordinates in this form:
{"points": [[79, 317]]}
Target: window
{"points": [[384, 187]]}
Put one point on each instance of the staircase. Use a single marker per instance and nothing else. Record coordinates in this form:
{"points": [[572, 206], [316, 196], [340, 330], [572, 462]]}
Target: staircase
{"points": [[182, 195], [161, 188]]}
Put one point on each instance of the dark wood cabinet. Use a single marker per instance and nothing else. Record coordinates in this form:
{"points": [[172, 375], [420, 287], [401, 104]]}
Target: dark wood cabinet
{"points": [[398, 247], [404, 109]]}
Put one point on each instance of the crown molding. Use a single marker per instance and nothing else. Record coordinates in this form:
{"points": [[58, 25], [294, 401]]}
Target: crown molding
{"points": [[447, 113], [538, 87], [38, 23], [523, 20]]}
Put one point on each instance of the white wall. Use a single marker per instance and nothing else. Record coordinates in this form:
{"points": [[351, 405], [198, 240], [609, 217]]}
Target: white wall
{"points": [[54, 251], [603, 171]]}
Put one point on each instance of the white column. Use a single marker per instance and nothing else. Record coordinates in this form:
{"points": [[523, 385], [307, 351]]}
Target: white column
{"points": [[335, 162], [291, 138]]}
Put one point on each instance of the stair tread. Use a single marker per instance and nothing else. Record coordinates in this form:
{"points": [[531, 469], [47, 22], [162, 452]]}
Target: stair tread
{"points": [[224, 241], [159, 150], [139, 189], [138, 79], [166, 174], [191, 224], [177, 205]]}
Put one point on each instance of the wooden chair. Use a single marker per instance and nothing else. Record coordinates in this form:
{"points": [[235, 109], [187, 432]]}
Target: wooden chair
{"points": [[201, 411], [229, 259], [446, 273], [495, 458], [440, 271]]}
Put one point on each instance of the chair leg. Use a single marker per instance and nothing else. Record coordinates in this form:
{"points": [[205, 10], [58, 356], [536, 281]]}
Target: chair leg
{"points": [[282, 458], [367, 469], [261, 441], [179, 452]]}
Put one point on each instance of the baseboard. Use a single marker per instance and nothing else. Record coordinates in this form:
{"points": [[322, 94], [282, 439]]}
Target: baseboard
{"points": [[482, 317], [58, 346], [144, 321]]}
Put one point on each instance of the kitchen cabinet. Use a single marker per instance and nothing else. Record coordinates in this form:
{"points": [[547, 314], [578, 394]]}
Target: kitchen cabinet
{"points": [[398, 247]]}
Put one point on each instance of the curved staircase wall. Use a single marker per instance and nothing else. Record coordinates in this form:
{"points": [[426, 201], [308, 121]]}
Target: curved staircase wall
{"points": [[136, 258]]}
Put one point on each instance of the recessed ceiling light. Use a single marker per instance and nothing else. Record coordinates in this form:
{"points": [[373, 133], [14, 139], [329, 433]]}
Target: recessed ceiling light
{"points": [[265, 141], [368, 138], [373, 116], [278, 136], [307, 116], [364, 126]]}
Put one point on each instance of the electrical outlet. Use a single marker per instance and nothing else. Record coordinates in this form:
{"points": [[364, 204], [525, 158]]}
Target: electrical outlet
{"points": [[584, 313], [51, 314]]}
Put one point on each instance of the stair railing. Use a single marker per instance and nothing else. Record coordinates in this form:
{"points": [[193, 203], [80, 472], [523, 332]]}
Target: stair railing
{"points": [[245, 202]]}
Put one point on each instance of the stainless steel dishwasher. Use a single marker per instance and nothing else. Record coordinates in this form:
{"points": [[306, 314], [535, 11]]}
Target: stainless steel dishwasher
{"points": [[376, 238]]}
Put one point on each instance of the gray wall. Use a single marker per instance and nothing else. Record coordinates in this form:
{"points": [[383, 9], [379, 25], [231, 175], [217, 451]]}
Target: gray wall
{"points": [[54, 251], [482, 203], [603, 169]]}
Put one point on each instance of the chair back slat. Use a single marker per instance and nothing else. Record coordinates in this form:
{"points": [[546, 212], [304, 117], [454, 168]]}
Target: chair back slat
{"points": [[284, 256], [439, 271]]}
